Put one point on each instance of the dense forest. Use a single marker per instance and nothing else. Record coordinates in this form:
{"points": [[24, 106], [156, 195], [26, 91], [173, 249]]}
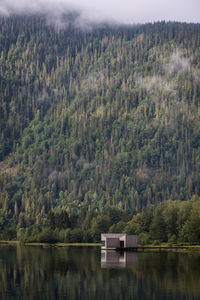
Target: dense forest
{"points": [[100, 126]]}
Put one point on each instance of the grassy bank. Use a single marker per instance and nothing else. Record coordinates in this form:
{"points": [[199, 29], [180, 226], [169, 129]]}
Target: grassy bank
{"points": [[48, 244], [141, 248]]}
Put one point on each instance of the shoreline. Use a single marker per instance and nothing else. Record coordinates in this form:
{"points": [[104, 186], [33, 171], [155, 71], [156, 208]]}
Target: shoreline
{"points": [[141, 248], [49, 244]]}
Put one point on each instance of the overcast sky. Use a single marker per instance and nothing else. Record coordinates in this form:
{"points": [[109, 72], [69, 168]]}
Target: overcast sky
{"points": [[124, 11]]}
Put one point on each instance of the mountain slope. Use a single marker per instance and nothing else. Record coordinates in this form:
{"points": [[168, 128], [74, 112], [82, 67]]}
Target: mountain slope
{"points": [[92, 119]]}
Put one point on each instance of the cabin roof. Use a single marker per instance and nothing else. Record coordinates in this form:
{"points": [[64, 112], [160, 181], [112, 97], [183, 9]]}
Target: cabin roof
{"points": [[113, 235]]}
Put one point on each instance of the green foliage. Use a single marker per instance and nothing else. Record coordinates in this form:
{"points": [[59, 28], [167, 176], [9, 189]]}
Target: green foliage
{"points": [[158, 228], [191, 229], [118, 227], [150, 226], [46, 236], [95, 126], [144, 238], [132, 228]]}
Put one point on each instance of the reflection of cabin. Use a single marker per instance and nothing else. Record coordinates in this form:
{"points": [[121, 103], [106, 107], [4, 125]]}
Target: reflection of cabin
{"points": [[118, 241], [118, 259]]}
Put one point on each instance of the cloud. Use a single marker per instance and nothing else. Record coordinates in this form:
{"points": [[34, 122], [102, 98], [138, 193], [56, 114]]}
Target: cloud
{"points": [[126, 11], [92, 80], [181, 63], [155, 84]]}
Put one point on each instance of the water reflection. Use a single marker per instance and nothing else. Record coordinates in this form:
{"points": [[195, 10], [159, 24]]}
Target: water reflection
{"points": [[83, 273], [116, 259]]}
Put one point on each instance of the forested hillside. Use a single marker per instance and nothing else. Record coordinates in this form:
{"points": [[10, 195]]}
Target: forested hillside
{"points": [[108, 117]]}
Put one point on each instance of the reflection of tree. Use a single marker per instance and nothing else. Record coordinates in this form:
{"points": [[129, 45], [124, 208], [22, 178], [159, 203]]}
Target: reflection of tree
{"points": [[177, 273], [75, 273]]}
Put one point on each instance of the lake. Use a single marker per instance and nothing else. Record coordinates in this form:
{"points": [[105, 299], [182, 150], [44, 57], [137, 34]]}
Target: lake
{"points": [[34, 272]]}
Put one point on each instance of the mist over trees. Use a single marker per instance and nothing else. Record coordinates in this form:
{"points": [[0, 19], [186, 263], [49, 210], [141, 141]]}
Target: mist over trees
{"points": [[99, 119]]}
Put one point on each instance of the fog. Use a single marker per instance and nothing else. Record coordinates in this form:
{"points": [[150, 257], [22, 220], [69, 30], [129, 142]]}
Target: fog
{"points": [[126, 11]]}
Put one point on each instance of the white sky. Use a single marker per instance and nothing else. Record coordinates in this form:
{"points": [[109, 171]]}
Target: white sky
{"points": [[125, 11]]}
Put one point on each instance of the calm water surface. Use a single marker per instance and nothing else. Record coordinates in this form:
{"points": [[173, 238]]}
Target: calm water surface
{"points": [[87, 273]]}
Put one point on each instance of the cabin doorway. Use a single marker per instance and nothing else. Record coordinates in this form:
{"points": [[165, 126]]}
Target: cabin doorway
{"points": [[121, 244]]}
